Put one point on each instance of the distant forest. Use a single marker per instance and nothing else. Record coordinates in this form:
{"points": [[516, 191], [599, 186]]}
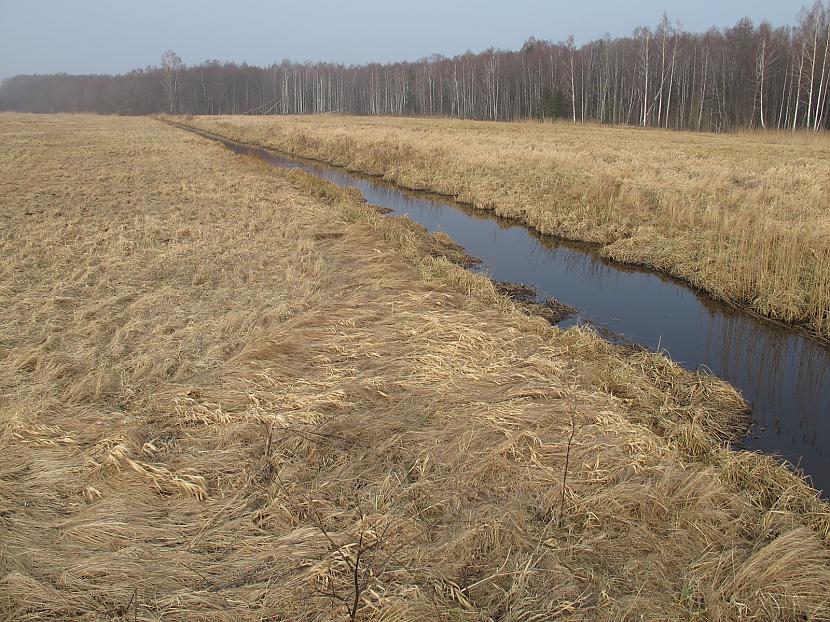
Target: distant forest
{"points": [[755, 76]]}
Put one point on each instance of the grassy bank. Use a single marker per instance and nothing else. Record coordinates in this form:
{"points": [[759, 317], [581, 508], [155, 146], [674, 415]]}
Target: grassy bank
{"points": [[745, 217], [235, 392]]}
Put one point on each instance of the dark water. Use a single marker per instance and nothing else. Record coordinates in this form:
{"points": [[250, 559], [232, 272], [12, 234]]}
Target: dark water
{"points": [[784, 376]]}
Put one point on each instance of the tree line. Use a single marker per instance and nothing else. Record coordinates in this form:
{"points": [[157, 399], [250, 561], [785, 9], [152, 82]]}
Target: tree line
{"points": [[747, 75]]}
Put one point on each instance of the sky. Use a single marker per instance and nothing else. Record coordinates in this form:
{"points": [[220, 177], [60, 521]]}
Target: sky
{"points": [[111, 36]]}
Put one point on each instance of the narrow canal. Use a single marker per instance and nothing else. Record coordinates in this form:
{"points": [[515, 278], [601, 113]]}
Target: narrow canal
{"points": [[784, 375]]}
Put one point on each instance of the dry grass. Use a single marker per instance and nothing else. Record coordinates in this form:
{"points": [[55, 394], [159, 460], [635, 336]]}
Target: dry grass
{"points": [[231, 392], [745, 217]]}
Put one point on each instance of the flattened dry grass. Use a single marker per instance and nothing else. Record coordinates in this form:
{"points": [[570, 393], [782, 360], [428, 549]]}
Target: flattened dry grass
{"points": [[231, 392], [745, 217]]}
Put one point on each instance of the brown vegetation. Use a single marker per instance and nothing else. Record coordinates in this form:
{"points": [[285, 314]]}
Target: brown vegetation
{"points": [[234, 392], [745, 217]]}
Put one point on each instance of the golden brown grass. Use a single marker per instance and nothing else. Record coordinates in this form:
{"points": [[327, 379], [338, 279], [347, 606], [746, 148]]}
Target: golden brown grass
{"points": [[745, 217], [232, 392]]}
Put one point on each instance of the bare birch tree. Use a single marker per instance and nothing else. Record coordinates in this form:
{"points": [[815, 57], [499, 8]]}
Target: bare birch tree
{"points": [[171, 69]]}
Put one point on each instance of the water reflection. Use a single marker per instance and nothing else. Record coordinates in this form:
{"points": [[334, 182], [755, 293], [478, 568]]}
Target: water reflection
{"points": [[785, 376]]}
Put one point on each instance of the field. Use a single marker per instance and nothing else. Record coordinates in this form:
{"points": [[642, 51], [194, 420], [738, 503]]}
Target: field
{"points": [[745, 217], [230, 392]]}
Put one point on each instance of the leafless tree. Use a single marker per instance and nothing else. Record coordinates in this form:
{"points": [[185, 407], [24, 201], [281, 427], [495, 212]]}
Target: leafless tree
{"points": [[171, 69], [743, 76]]}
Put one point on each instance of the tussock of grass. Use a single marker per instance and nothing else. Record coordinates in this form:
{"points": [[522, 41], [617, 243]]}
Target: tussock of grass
{"points": [[745, 217], [233, 392]]}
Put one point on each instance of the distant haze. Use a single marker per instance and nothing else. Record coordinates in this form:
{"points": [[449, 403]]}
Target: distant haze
{"points": [[87, 36]]}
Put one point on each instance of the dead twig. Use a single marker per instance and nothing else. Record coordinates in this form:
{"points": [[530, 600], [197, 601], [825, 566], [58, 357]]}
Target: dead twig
{"points": [[565, 472]]}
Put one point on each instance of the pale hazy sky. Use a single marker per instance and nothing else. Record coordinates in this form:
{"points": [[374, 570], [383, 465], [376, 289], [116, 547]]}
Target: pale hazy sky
{"points": [[100, 36]]}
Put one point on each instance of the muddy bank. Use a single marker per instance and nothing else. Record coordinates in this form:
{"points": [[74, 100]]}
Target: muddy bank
{"points": [[527, 297]]}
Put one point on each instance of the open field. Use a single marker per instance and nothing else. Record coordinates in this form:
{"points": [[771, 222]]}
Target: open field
{"points": [[745, 217], [235, 392]]}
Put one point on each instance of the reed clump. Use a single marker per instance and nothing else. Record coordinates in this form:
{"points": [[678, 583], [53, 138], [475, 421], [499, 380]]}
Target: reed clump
{"points": [[231, 392], [745, 217]]}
